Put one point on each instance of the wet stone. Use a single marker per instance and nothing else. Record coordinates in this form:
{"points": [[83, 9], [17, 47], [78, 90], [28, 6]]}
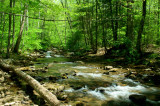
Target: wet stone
{"points": [[52, 78], [101, 90], [108, 67], [138, 99], [106, 73]]}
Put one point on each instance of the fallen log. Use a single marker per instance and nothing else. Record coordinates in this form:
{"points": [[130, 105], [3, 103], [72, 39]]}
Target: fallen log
{"points": [[42, 91]]}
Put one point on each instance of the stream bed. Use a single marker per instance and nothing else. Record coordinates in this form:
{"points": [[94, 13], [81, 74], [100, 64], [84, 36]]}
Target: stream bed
{"points": [[87, 84]]}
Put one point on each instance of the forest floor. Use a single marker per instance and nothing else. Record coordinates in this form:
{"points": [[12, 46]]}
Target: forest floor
{"points": [[13, 95]]}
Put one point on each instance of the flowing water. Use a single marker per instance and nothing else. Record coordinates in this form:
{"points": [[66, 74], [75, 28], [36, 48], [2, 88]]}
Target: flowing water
{"points": [[48, 54], [86, 83]]}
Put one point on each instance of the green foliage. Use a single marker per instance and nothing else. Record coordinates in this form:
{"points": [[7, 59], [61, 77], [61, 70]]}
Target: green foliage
{"points": [[30, 41], [72, 26]]}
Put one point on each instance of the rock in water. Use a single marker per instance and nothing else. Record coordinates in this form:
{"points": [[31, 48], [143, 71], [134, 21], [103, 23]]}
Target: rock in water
{"points": [[106, 73], [138, 99], [108, 67]]}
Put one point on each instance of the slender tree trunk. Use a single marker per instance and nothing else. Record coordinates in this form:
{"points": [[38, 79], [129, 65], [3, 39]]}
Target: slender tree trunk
{"points": [[158, 32], [103, 27], [3, 29], [65, 25], [68, 16], [129, 30], [91, 35], [38, 20], [95, 51], [13, 26], [138, 46], [116, 23], [149, 24], [84, 32], [9, 33], [27, 21], [43, 27], [16, 48], [112, 22], [90, 27]]}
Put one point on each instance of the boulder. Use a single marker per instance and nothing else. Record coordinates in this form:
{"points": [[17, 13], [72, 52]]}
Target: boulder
{"points": [[138, 99], [108, 67], [106, 73]]}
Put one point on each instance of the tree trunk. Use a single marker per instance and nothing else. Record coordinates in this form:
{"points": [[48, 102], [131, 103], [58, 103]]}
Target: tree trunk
{"points": [[129, 30], [43, 92], [13, 27], [116, 22], [95, 51], [138, 46], [20, 33], [158, 32], [9, 33], [112, 22], [4, 23], [67, 15]]}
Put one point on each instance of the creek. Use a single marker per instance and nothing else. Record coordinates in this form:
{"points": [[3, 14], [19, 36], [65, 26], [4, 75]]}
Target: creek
{"points": [[87, 84]]}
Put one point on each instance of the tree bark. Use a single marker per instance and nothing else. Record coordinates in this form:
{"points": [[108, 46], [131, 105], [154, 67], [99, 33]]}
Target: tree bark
{"points": [[138, 46], [158, 32], [129, 30], [9, 33], [95, 51], [4, 23], [42, 91], [112, 22], [20, 34], [116, 23], [13, 26]]}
